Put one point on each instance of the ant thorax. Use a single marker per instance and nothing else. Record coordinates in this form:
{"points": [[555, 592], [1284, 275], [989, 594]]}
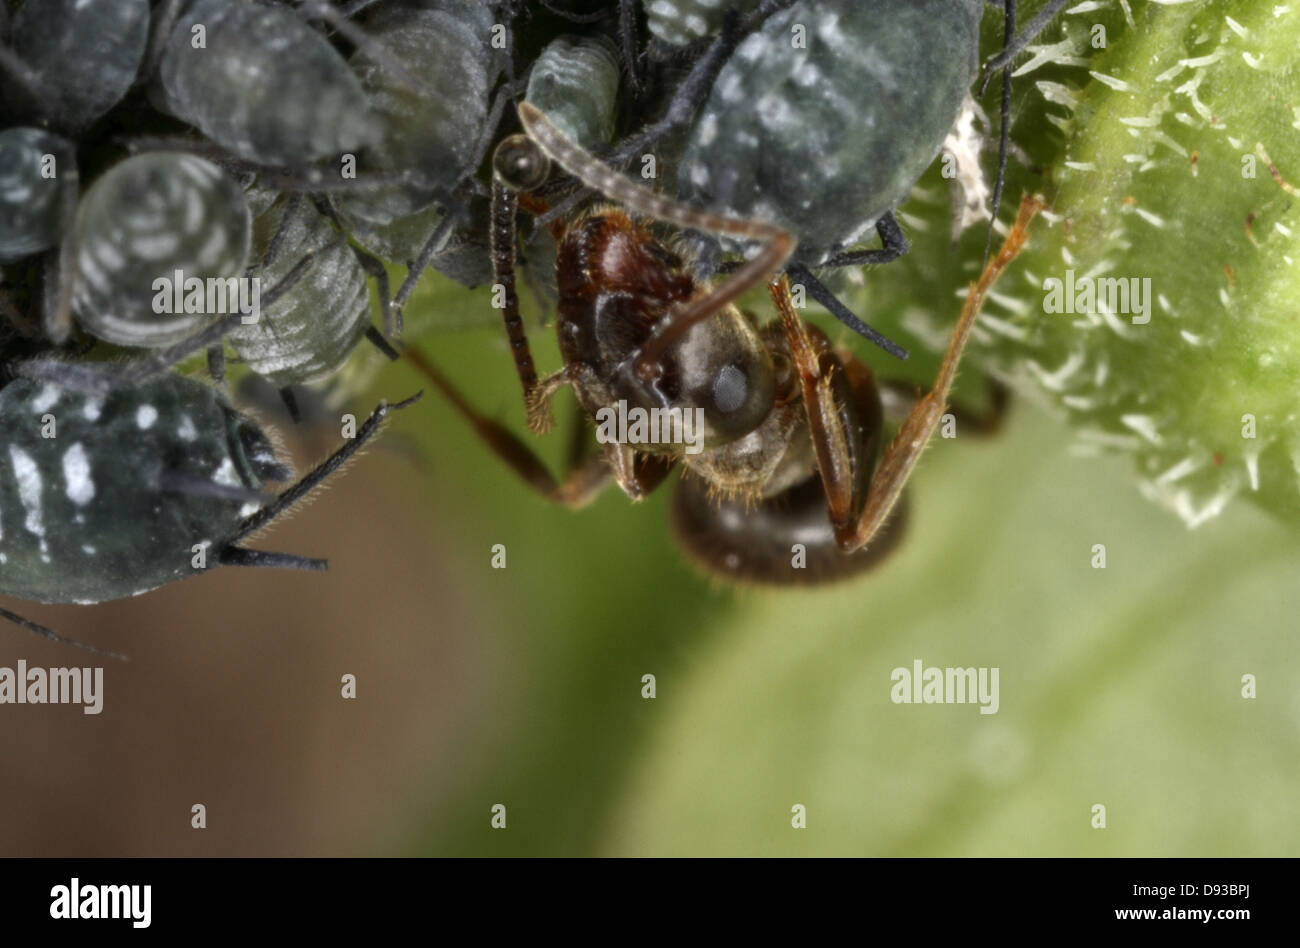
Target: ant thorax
{"points": [[617, 282]]}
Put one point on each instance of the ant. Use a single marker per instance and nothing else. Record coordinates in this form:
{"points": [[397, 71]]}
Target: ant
{"points": [[788, 474]]}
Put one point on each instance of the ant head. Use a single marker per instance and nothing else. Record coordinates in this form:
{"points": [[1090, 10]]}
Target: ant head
{"points": [[520, 164]]}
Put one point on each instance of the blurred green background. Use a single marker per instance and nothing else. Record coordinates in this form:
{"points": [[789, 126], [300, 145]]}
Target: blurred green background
{"points": [[523, 686]]}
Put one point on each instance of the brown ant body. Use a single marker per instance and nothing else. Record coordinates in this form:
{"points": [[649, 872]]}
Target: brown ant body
{"points": [[790, 485]]}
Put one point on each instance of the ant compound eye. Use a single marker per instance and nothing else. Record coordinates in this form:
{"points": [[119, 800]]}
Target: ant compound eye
{"points": [[730, 389], [740, 398], [520, 164]]}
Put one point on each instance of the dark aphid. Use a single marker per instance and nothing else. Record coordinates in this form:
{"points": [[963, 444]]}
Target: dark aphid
{"points": [[143, 221], [80, 57], [38, 175], [432, 111], [575, 82], [784, 424], [823, 120], [114, 503], [309, 331], [104, 497], [262, 83]]}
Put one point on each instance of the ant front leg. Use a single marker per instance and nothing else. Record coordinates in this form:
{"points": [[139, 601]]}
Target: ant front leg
{"points": [[587, 474], [899, 396], [904, 451], [857, 510]]}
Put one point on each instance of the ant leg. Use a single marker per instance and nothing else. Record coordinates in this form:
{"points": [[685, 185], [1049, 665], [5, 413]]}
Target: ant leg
{"points": [[582, 482], [900, 396], [904, 451], [777, 245]]}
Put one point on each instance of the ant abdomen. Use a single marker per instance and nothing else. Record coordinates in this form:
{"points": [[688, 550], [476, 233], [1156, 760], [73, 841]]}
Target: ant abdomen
{"points": [[784, 540]]}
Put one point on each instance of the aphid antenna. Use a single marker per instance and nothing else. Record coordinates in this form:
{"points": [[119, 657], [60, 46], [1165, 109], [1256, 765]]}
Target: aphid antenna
{"points": [[317, 475]]}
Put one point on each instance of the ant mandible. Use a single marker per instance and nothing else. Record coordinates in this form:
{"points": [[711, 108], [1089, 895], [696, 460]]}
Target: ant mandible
{"points": [[792, 426]]}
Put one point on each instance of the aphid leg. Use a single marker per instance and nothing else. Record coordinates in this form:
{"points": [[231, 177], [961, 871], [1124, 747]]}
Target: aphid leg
{"points": [[627, 36], [393, 318], [688, 96], [893, 244], [164, 19], [317, 475], [37, 629], [454, 210], [342, 24], [103, 377], [179, 482], [291, 207], [1004, 122], [569, 15], [262, 559], [59, 270], [899, 459], [582, 481], [27, 80], [374, 267], [826, 298], [777, 244], [291, 404]]}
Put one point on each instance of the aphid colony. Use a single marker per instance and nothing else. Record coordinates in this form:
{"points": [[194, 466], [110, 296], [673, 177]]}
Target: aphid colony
{"points": [[228, 177]]}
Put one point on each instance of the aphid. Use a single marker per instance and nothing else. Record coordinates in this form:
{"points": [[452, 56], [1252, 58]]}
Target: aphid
{"points": [[429, 72], [574, 81], [72, 60], [823, 120], [789, 425], [103, 497], [310, 330], [260, 82], [432, 111], [146, 219], [37, 190]]}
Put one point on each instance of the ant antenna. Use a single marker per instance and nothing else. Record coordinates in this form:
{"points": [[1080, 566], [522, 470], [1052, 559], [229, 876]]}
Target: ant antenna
{"points": [[777, 247]]}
